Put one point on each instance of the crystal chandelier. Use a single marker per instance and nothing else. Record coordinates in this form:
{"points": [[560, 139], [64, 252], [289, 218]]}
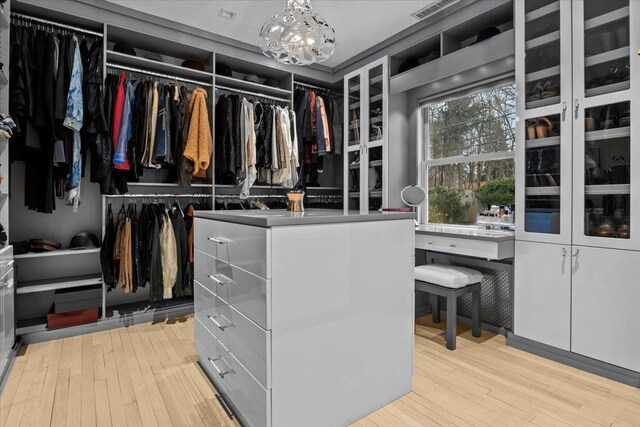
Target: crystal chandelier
{"points": [[298, 35]]}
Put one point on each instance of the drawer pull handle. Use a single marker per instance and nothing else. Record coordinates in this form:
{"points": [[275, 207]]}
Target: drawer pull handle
{"points": [[10, 263], [441, 244], [218, 370], [215, 279], [218, 240], [215, 322]]}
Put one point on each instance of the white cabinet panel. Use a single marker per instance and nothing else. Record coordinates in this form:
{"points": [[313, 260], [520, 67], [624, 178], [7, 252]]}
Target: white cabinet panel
{"points": [[542, 295], [606, 306]]}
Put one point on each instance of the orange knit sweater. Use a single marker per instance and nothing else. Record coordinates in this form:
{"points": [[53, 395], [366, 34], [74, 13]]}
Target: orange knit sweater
{"points": [[199, 146]]}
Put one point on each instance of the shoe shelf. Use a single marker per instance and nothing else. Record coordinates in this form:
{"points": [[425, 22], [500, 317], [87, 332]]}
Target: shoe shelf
{"points": [[373, 100], [354, 195], [374, 80], [607, 189], [372, 164], [543, 102], [543, 191], [607, 134], [59, 252], [607, 18], [543, 11], [542, 74], [601, 90], [58, 283], [543, 142], [609, 56], [376, 194], [542, 41]]}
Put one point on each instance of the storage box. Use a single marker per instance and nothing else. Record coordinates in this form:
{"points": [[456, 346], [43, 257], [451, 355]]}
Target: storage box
{"points": [[73, 318], [542, 221], [74, 299]]}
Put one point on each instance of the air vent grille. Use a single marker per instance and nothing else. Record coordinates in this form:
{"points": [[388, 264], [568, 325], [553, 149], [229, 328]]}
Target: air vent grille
{"points": [[433, 8]]}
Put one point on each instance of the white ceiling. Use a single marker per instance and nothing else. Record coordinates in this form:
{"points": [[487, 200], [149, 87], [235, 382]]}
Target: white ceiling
{"points": [[359, 24]]}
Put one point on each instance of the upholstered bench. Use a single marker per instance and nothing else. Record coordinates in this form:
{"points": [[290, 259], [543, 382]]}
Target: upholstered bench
{"points": [[450, 282]]}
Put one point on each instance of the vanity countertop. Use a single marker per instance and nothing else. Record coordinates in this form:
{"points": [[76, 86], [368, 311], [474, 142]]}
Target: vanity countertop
{"points": [[466, 232], [277, 217]]}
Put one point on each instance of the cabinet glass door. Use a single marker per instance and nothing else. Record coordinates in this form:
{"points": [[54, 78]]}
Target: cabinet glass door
{"points": [[354, 142], [542, 47], [605, 164], [543, 175], [377, 105], [605, 135], [605, 33], [544, 123]]}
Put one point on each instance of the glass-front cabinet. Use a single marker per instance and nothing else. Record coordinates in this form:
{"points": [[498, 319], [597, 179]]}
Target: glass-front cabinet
{"points": [[366, 96], [605, 145], [544, 123], [577, 78]]}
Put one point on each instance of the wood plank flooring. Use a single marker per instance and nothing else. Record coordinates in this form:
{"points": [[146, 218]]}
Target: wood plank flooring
{"points": [[147, 375]]}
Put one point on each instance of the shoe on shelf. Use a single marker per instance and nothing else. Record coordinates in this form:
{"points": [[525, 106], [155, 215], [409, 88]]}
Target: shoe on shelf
{"points": [[609, 117]]}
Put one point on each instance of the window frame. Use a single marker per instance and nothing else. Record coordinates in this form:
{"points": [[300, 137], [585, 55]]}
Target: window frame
{"points": [[424, 162]]}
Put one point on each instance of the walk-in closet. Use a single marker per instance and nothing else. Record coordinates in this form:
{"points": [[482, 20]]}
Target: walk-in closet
{"points": [[319, 213]]}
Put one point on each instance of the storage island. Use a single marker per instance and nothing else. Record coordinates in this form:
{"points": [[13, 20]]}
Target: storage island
{"points": [[305, 318]]}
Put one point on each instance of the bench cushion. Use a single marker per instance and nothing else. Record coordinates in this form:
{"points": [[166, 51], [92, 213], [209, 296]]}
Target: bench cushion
{"points": [[447, 275]]}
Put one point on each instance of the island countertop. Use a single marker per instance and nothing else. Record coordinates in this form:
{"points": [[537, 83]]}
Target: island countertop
{"points": [[278, 217]]}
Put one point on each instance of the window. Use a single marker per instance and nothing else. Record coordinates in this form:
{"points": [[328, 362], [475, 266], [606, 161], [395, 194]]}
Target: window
{"points": [[469, 155]]}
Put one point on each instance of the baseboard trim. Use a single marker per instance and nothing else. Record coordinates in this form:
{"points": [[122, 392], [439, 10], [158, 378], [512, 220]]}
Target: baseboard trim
{"points": [[123, 320], [578, 361]]}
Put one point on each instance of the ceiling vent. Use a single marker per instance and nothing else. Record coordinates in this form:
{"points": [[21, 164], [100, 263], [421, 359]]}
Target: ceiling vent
{"points": [[433, 9]]}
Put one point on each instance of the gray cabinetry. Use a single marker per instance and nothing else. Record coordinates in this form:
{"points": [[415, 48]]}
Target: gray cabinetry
{"points": [[605, 306], [542, 295]]}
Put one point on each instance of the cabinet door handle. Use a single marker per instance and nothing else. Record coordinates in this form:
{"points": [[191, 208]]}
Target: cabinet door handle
{"points": [[10, 263], [215, 279], [215, 322], [564, 110], [564, 252], [218, 240], [576, 253], [577, 105], [218, 370]]}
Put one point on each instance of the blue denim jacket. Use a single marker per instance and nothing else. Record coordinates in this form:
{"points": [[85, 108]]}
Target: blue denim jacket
{"points": [[75, 104]]}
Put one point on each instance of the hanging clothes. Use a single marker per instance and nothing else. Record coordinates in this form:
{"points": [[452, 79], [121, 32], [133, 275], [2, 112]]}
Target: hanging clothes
{"points": [[248, 148], [183, 282], [106, 251], [168, 256], [199, 144]]}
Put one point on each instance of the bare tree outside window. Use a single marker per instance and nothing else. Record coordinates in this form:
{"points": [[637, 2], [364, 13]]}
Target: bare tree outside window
{"points": [[470, 148]]}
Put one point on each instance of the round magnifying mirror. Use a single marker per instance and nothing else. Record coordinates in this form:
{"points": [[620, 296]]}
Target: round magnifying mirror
{"points": [[413, 196]]}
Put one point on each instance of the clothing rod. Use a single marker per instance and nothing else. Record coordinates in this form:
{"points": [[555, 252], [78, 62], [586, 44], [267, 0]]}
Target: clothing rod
{"points": [[54, 24], [305, 85], [260, 95], [153, 73], [155, 196], [317, 87]]}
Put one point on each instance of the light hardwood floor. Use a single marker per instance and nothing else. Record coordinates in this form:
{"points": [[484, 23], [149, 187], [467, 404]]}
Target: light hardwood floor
{"points": [[148, 375]]}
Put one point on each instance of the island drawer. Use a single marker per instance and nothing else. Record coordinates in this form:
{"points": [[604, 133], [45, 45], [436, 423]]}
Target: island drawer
{"points": [[212, 312], [240, 245], [244, 291], [251, 345], [251, 399]]}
